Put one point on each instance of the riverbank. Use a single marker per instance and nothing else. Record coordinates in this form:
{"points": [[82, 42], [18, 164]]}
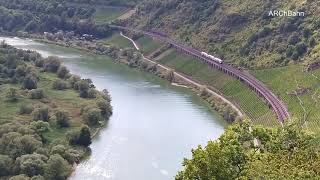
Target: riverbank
{"points": [[55, 112], [218, 102]]}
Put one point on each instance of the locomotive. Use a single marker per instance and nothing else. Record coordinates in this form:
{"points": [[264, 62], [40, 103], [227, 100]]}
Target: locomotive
{"points": [[211, 57]]}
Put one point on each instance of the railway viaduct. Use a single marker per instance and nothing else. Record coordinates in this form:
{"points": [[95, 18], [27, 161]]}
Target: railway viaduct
{"points": [[272, 100]]}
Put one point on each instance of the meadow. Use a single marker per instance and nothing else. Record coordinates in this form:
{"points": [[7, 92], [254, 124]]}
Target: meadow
{"points": [[148, 45], [117, 40]]}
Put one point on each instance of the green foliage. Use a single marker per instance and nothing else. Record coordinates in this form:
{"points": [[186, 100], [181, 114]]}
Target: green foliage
{"points": [[52, 64], [59, 85], [240, 32], [13, 95], [26, 109], [92, 116], [80, 137], [62, 118], [30, 82], [63, 72], [6, 164], [37, 94], [283, 153], [57, 168], [41, 113], [31, 164]]}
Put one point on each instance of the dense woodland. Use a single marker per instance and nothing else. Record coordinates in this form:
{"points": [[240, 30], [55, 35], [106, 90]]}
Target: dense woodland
{"points": [[41, 140], [281, 153], [48, 16], [241, 32]]}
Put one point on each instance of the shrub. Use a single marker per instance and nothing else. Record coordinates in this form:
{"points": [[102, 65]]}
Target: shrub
{"points": [[13, 95], [39, 62], [63, 72], [37, 94], [42, 113], [82, 137], [92, 116], [105, 108], [62, 118], [26, 109], [52, 64], [59, 85], [30, 82], [92, 93]]}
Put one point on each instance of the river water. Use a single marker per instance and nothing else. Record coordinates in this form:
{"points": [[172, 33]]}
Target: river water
{"points": [[154, 125]]}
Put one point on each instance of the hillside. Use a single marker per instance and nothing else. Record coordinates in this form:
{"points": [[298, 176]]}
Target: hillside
{"points": [[241, 31]]}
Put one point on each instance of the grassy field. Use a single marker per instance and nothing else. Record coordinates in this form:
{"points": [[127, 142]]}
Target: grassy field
{"points": [[284, 81], [233, 89], [148, 45], [118, 40], [68, 99], [108, 14]]}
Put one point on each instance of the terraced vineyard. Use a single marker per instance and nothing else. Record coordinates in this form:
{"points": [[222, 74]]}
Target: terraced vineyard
{"points": [[299, 89], [117, 40], [233, 89], [148, 45]]}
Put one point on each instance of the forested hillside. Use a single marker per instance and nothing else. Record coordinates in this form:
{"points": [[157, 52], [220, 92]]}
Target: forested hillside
{"points": [[27, 16], [241, 31]]}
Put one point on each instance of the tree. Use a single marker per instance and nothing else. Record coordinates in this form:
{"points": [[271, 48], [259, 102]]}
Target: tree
{"points": [[57, 168], [30, 82], [26, 109], [105, 108], [92, 116], [41, 113], [84, 136], [52, 64], [281, 153], [6, 164], [20, 177], [62, 118], [31, 164], [37, 94], [59, 85], [63, 72]]}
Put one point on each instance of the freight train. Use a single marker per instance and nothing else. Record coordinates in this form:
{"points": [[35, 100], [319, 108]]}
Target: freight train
{"points": [[204, 54]]}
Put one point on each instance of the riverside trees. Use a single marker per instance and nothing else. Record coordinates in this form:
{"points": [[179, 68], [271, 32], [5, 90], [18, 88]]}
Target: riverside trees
{"points": [[281, 153], [33, 142]]}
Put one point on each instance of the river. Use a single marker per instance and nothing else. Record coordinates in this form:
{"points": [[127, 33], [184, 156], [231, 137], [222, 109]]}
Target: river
{"points": [[154, 125]]}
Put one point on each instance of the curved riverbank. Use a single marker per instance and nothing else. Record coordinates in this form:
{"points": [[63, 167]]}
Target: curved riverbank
{"points": [[154, 124]]}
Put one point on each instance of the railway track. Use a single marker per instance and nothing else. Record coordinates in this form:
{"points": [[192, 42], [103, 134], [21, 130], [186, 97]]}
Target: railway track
{"points": [[273, 101]]}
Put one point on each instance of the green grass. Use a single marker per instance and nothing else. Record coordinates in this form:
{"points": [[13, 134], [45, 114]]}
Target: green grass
{"points": [[118, 40], [148, 45], [233, 89], [108, 14], [68, 100], [287, 79]]}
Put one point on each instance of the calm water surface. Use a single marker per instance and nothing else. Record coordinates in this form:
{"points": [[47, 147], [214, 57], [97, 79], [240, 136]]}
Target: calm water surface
{"points": [[154, 126]]}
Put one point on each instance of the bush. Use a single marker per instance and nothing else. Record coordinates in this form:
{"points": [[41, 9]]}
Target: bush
{"points": [[30, 82], [26, 109], [37, 94], [52, 64], [92, 93], [63, 72], [13, 95], [62, 118], [42, 113], [92, 116], [39, 62], [82, 137], [59, 85], [105, 108]]}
